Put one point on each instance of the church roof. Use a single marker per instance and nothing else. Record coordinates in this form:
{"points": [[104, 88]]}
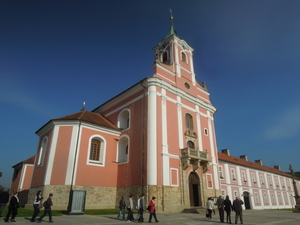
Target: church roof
{"points": [[26, 161], [243, 162], [172, 31], [89, 117]]}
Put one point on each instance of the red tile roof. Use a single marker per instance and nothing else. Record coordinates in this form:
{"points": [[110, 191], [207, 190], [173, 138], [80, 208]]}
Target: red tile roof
{"points": [[242, 162], [26, 161], [90, 117]]}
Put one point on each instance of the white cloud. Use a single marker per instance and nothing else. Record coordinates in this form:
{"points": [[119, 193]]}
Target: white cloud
{"points": [[286, 125]]}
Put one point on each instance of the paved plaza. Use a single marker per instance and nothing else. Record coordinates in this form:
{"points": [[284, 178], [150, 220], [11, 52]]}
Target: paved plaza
{"points": [[263, 217]]}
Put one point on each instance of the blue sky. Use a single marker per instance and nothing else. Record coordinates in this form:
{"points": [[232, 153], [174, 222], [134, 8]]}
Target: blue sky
{"points": [[54, 55]]}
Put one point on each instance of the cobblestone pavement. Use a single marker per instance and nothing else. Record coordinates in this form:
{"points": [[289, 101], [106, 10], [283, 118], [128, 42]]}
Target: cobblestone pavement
{"points": [[261, 217]]}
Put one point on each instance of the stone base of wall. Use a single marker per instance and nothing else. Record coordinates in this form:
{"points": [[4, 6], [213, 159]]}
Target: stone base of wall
{"points": [[168, 199]]}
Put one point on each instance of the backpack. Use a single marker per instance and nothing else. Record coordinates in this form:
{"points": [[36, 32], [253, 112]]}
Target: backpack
{"points": [[45, 204], [149, 208]]}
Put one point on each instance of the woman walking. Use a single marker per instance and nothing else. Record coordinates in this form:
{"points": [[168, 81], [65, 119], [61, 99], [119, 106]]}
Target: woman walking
{"points": [[152, 210], [37, 205], [210, 207], [228, 208]]}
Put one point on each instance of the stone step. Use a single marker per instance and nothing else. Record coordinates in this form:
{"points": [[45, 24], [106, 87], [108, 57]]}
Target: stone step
{"points": [[199, 210]]}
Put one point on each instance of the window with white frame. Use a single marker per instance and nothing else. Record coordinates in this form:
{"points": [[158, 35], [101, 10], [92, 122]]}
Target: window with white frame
{"points": [[223, 193], [266, 199], [42, 151], [276, 182], [233, 174], [282, 183], [123, 149], [221, 172], [183, 57], [96, 153], [279, 198], [286, 201], [235, 194], [244, 177], [253, 178], [270, 181], [262, 180], [124, 119], [256, 198], [273, 199]]}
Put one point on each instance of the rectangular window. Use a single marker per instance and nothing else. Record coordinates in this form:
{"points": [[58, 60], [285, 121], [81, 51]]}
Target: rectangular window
{"points": [[253, 178], [244, 177], [221, 172], [256, 198], [233, 174], [209, 181]]}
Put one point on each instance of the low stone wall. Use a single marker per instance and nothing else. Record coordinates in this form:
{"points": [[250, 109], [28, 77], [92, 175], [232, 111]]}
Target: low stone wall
{"points": [[168, 199]]}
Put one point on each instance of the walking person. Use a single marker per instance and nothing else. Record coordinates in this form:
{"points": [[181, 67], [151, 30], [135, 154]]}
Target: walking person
{"points": [[228, 208], [130, 209], [152, 210], [141, 208], [137, 208], [13, 208], [122, 206], [220, 204], [237, 207], [210, 207], [47, 204], [4, 198], [37, 204]]}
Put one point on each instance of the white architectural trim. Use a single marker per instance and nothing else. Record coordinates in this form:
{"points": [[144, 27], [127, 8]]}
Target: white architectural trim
{"points": [[152, 138], [51, 154], [71, 156]]}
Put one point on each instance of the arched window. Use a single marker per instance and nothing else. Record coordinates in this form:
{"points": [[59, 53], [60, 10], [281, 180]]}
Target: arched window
{"points": [[165, 57], [191, 144], [42, 152], [123, 150], [183, 57], [189, 121], [123, 119], [96, 152]]}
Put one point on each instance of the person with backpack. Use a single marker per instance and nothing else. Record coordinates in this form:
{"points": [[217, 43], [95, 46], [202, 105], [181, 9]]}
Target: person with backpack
{"points": [[47, 204], [37, 205]]}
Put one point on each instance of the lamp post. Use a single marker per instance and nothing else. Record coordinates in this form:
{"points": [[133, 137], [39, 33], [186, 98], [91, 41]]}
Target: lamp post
{"points": [[297, 197]]}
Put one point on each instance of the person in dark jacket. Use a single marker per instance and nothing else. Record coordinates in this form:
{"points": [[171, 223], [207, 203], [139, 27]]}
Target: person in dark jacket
{"points": [[37, 205], [228, 208], [141, 208], [47, 204], [4, 198], [220, 204], [237, 207], [122, 206], [152, 210], [13, 208]]}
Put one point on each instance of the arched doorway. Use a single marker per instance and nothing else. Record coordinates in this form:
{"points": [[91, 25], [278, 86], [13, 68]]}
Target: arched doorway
{"points": [[194, 188], [246, 196]]}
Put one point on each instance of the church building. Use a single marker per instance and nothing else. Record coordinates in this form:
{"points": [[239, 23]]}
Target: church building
{"points": [[157, 137]]}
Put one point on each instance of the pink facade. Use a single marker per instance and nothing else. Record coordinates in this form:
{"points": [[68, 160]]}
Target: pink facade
{"points": [[157, 137]]}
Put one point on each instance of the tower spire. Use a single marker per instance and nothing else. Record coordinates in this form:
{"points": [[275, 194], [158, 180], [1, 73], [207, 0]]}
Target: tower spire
{"points": [[172, 30]]}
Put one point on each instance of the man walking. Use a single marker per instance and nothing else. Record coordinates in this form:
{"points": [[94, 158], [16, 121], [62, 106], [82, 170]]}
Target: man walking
{"points": [[141, 208], [237, 207], [122, 206], [220, 204]]}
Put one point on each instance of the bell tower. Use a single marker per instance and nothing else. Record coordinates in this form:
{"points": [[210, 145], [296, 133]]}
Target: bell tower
{"points": [[174, 59]]}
